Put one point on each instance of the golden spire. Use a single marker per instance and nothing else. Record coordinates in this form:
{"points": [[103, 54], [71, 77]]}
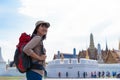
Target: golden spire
{"points": [[62, 57], [91, 41], [87, 56]]}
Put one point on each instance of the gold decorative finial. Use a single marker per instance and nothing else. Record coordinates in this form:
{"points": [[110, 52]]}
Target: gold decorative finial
{"points": [[62, 57], [87, 56]]}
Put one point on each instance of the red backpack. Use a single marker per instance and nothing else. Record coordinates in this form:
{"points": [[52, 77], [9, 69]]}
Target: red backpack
{"points": [[21, 60]]}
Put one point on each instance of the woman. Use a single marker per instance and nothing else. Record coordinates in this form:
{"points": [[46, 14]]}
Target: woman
{"points": [[36, 51]]}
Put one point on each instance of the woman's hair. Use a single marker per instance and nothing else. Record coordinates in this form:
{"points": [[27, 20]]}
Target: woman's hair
{"points": [[35, 32]]}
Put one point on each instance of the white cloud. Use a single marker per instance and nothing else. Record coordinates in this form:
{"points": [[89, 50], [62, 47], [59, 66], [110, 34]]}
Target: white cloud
{"points": [[73, 20]]}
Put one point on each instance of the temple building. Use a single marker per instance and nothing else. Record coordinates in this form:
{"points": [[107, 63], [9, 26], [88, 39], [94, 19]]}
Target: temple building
{"points": [[82, 54], [102, 56], [6, 70], [99, 56], [65, 55], [92, 51], [2, 63], [1, 58], [111, 56]]}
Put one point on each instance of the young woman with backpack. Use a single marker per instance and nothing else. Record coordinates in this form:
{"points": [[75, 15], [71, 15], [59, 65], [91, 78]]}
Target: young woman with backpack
{"points": [[35, 49]]}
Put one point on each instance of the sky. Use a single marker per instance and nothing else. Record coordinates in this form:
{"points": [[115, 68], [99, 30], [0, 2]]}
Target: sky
{"points": [[71, 22]]}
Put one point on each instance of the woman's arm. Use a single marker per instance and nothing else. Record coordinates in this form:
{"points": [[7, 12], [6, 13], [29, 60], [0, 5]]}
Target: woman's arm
{"points": [[42, 57], [28, 48]]}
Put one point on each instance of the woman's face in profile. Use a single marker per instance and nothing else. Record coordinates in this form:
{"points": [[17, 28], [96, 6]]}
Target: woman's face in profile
{"points": [[42, 30]]}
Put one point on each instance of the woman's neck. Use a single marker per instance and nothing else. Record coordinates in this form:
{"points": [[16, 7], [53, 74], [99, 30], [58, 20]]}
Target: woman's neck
{"points": [[39, 34]]}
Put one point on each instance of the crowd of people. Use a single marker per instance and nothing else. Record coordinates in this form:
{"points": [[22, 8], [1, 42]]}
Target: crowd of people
{"points": [[95, 74]]}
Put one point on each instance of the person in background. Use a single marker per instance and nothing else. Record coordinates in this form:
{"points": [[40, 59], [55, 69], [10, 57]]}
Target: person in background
{"points": [[78, 74], [66, 74], [92, 76], [59, 74], [99, 74], [35, 49], [103, 74]]}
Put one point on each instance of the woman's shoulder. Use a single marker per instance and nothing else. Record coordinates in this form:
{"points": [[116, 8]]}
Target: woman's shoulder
{"points": [[37, 37]]}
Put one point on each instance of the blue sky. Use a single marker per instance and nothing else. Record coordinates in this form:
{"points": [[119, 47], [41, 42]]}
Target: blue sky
{"points": [[71, 21], [12, 24], [10, 19]]}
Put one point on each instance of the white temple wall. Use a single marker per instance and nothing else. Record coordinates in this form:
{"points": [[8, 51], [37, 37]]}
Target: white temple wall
{"points": [[2, 67]]}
